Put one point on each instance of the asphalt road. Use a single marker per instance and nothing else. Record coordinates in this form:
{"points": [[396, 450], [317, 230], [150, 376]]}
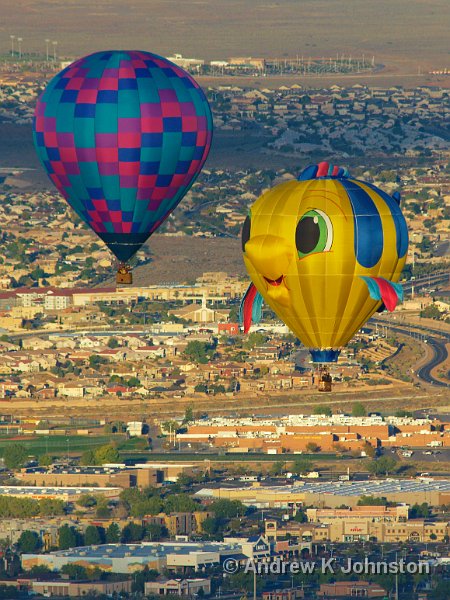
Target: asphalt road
{"points": [[440, 354]]}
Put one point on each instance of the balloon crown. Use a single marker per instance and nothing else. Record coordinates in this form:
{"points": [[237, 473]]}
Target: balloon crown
{"points": [[323, 169]]}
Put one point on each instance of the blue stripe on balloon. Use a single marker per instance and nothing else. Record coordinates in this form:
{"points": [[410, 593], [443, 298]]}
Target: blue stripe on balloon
{"points": [[152, 140], [368, 229], [107, 96], [149, 168], [95, 193], [69, 96], [84, 110], [127, 83], [129, 154], [398, 218], [189, 138], [172, 124], [53, 154]]}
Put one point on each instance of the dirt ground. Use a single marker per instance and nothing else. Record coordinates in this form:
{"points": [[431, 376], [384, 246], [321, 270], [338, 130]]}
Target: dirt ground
{"points": [[404, 34]]}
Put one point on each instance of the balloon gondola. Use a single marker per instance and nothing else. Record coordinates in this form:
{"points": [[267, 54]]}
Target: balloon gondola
{"points": [[123, 135], [325, 252]]}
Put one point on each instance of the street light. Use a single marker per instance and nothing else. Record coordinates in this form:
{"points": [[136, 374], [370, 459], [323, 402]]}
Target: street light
{"points": [[55, 43], [13, 37], [20, 40], [47, 42]]}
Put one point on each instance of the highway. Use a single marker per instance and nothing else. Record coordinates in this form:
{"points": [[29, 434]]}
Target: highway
{"points": [[440, 353]]}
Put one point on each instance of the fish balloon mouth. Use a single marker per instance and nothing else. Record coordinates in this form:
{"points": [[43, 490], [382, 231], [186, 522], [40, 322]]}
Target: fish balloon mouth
{"points": [[275, 282]]}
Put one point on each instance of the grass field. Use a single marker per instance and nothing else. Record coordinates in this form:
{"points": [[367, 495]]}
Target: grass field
{"points": [[57, 444]]}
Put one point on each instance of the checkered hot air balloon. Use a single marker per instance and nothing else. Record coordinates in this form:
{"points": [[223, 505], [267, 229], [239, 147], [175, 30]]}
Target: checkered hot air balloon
{"points": [[123, 136]]}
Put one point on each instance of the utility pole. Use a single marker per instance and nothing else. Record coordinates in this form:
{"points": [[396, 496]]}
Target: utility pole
{"points": [[396, 578]]}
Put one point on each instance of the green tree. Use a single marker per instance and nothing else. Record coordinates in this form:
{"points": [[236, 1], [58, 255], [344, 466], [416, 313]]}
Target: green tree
{"points": [[74, 572], [102, 512], [87, 501], [300, 517], [180, 503], [51, 507], [214, 526], [227, 509], [154, 532], [67, 537], [382, 466], [322, 410], [87, 458], [40, 571], [372, 501], [198, 352], [92, 536], [113, 534], [18, 508], [420, 511], [149, 506], [302, 465], [255, 339], [358, 410], [106, 454], [29, 542], [113, 342], [431, 312], [278, 468], [312, 447], [14, 455], [132, 533], [45, 460], [188, 415]]}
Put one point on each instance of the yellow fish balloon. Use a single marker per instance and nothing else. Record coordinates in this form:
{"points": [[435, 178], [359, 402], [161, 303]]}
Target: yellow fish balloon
{"points": [[325, 252]]}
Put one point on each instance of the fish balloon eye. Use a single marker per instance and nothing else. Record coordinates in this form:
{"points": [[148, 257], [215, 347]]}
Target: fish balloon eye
{"points": [[245, 232], [314, 233]]}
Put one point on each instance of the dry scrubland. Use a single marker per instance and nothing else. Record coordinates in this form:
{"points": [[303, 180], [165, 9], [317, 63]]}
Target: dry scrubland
{"points": [[384, 398], [402, 34]]}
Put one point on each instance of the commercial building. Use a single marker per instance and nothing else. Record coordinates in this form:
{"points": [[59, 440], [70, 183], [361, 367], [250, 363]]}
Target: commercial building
{"points": [[117, 475], [178, 587], [67, 494], [351, 589], [77, 589], [332, 494], [362, 528], [293, 433], [129, 558], [384, 514]]}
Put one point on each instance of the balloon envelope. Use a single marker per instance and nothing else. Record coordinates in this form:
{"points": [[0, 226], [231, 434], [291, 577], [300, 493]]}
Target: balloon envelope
{"points": [[123, 135], [325, 253]]}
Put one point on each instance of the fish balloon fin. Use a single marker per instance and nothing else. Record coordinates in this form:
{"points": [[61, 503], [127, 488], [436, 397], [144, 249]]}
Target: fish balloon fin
{"points": [[388, 292], [250, 310]]}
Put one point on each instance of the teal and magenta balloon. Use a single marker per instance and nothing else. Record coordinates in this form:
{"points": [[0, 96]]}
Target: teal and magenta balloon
{"points": [[123, 135]]}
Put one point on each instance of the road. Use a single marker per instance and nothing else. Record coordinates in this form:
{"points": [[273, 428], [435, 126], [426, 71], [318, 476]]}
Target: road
{"points": [[438, 346], [440, 355]]}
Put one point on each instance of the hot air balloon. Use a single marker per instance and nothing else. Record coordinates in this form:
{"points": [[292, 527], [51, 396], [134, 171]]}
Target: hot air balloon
{"points": [[123, 136], [325, 252]]}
